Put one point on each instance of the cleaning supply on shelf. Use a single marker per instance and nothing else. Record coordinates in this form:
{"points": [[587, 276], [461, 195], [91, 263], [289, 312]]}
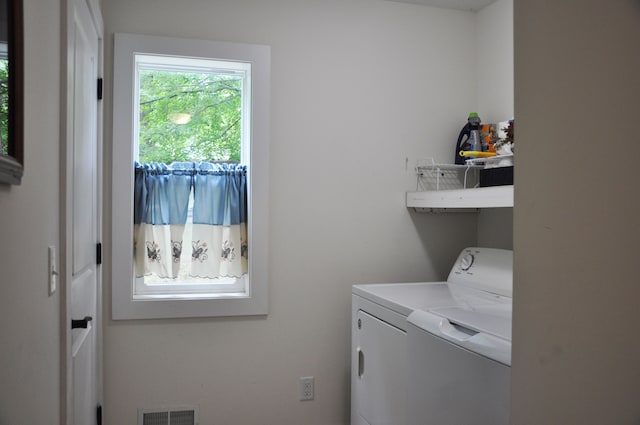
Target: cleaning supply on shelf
{"points": [[474, 132], [489, 136], [469, 137], [476, 154]]}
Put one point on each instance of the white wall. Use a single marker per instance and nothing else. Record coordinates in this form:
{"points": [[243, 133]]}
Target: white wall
{"points": [[357, 87], [29, 318], [577, 233], [494, 55]]}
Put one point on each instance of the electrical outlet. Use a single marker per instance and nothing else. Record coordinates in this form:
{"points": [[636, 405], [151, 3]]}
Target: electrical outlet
{"points": [[306, 388]]}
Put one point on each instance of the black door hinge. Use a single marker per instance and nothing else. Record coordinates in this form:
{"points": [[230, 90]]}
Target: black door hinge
{"points": [[99, 88], [99, 253], [99, 415]]}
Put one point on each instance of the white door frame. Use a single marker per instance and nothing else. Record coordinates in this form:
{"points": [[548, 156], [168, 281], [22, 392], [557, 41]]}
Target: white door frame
{"points": [[66, 207]]}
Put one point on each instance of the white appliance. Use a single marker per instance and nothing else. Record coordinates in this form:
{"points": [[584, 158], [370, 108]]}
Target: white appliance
{"points": [[438, 352]]}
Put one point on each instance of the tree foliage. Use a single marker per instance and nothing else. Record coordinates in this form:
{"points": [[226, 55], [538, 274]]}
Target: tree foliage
{"points": [[212, 105], [4, 106]]}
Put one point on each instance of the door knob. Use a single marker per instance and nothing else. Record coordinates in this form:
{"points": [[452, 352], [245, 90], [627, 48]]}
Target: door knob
{"points": [[82, 323]]}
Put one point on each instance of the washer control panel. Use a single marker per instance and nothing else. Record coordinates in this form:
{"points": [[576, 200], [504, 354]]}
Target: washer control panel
{"points": [[488, 269], [466, 261]]}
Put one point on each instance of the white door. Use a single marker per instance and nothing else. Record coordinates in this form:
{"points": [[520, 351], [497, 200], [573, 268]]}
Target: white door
{"points": [[83, 216], [380, 372]]}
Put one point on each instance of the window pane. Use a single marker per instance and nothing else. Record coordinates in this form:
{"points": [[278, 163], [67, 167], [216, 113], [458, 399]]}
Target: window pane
{"points": [[189, 116], [4, 102], [189, 111]]}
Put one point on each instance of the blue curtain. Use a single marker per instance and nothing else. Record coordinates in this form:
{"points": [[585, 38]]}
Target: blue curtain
{"points": [[220, 196], [161, 204], [219, 242], [161, 194]]}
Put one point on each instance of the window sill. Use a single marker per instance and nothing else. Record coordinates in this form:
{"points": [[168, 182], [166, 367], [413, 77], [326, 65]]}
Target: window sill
{"points": [[190, 306], [186, 297]]}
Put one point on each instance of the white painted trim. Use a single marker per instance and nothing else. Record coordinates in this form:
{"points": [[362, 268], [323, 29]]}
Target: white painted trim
{"points": [[123, 304]]}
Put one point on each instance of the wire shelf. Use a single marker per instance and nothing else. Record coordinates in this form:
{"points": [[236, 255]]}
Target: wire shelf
{"points": [[433, 176], [503, 160]]}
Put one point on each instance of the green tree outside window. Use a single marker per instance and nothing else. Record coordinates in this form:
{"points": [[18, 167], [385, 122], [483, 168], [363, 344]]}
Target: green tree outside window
{"points": [[4, 106], [189, 116]]}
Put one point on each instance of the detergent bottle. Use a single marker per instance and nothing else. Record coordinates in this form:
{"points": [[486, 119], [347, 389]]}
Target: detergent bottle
{"points": [[469, 138]]}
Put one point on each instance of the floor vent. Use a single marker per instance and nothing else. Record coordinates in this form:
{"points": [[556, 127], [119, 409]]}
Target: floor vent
{"points": [[168, 416]]}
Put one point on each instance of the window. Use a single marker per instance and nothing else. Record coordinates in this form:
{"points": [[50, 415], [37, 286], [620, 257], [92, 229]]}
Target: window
{"points": [[4, 96], [189, 112]]}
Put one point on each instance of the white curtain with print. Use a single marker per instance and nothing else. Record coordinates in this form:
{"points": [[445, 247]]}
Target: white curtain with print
{"points": [[219, 241], [219, 245], [161, 200]]}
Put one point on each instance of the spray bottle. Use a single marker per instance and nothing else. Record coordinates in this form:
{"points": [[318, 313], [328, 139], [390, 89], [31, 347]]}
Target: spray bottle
{"points": [[474, 132], [469, 138]]}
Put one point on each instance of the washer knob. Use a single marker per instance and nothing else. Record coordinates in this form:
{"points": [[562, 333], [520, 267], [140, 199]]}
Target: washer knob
{"points": [[466, 262]]}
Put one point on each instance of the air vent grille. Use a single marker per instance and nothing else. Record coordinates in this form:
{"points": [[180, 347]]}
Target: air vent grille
{"points": [[182, 417], [155, 418], [168, 416]]}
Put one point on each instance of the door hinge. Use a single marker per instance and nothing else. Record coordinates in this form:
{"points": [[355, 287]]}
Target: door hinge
{"points": [[99, 88], [99, 253], [99, 415]]}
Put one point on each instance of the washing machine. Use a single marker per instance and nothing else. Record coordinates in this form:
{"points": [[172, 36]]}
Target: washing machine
{"points": [[435, 352]]}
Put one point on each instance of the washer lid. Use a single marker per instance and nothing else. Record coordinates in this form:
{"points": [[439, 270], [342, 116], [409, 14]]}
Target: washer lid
{"points": [[484, 343], [493, 319]]}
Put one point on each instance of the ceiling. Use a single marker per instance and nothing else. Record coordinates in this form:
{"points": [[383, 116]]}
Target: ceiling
{"points": [[474, 5]]}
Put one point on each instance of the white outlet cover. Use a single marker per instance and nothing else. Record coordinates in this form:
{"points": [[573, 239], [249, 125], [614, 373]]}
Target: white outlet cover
{"points": [[306, 388]]}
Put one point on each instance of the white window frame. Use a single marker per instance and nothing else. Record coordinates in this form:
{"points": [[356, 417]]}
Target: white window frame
{"points": [[215, 288], [255, 300]]}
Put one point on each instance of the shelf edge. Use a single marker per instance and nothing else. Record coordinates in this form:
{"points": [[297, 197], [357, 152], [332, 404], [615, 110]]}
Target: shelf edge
{"points": [[483, 197]]}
